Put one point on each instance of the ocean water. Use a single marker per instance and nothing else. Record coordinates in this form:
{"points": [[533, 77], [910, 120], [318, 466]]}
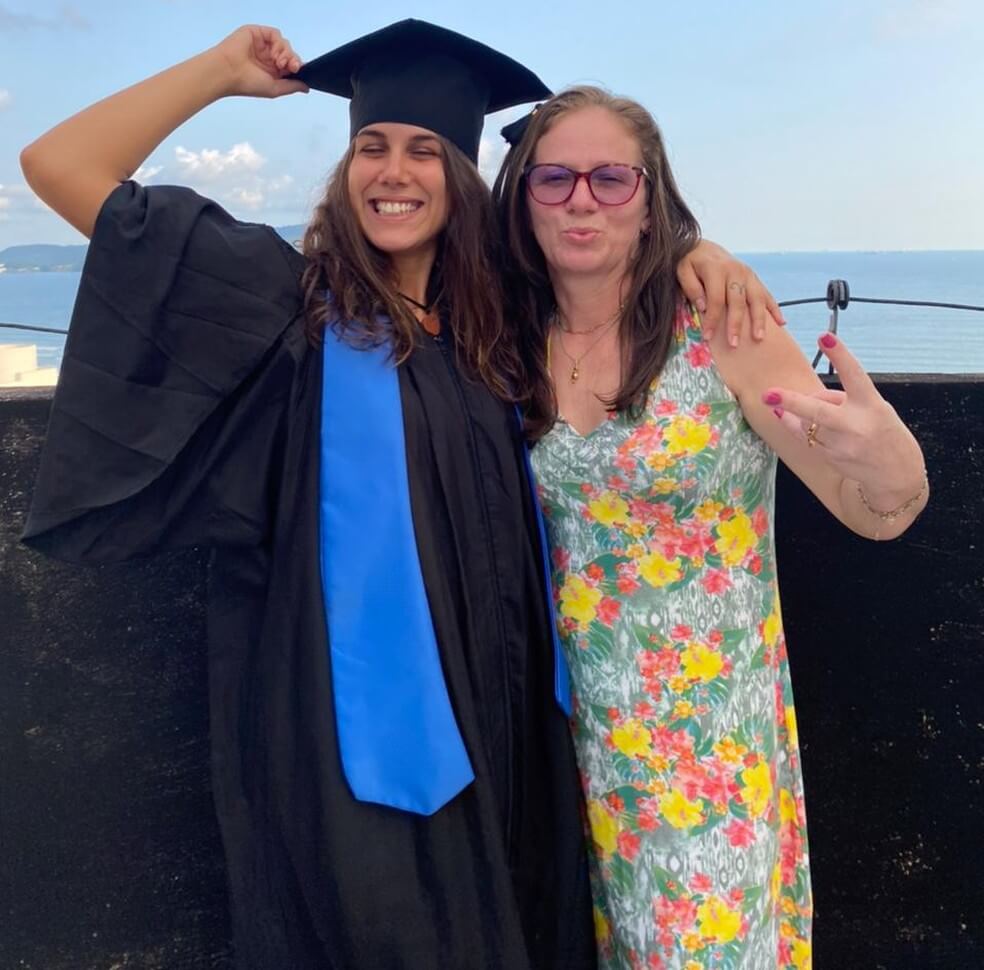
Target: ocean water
{"points": [[887, 339]]}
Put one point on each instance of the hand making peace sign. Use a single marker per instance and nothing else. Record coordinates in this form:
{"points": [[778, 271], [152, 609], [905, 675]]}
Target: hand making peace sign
{"points": [[856, 430]]}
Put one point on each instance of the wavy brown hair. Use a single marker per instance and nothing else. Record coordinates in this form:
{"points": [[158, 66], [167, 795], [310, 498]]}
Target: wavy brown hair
{"points": [[365, 307], [652, 295]]}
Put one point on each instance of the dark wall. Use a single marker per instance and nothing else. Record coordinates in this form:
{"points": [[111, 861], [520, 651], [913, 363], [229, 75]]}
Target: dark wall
{"points": [[110, 853]]}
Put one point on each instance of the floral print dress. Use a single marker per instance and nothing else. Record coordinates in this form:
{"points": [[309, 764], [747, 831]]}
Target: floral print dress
{"points": [[667, 601]]}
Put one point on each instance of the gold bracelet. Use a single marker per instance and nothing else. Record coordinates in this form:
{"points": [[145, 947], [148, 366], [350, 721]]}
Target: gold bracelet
{"points": [[893, 514]]}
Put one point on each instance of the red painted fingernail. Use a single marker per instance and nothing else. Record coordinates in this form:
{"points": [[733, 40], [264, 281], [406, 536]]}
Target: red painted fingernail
{"points": [[778, 412], [828, 340], [773, 398]]}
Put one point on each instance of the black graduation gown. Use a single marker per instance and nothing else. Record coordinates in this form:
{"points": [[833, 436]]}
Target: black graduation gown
{"points": [[188, 412]]}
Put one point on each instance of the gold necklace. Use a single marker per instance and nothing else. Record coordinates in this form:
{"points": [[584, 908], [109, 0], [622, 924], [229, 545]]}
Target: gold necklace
{"points": [[576, 361], [561, 321]]}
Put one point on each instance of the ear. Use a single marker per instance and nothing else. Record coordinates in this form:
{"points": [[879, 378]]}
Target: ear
{"points": [[644, 228]]}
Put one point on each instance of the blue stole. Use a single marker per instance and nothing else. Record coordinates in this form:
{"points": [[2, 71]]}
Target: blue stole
{"points": [[398, 739]]}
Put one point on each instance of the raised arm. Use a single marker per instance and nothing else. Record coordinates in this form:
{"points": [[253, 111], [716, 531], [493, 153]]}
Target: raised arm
{"points": [[76, 165]]}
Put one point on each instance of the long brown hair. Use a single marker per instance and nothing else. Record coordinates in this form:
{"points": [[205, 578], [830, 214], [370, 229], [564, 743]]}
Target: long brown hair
{"points": [[365, 307], [652, 294]]}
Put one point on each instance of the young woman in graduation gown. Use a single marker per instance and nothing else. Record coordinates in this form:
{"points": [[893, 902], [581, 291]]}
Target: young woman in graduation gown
{"points": [[392, 768]]}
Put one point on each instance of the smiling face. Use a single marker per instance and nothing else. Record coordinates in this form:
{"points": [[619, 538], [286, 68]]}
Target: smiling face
{"points": [[582, 237], [397, 188]]}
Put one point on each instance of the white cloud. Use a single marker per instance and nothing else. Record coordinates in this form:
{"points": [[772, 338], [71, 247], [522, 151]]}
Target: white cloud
{"points": [[68, 16], [6, 99], [212, 163], [235, 178], [491, 152], [146, 172], [915, 18]]}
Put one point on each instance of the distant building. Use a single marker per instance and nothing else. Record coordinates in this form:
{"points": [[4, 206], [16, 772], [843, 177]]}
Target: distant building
{"points": [[19, 367]]}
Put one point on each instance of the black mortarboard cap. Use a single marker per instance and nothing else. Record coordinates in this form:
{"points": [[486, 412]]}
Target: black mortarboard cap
{"points": [[416, 73]]}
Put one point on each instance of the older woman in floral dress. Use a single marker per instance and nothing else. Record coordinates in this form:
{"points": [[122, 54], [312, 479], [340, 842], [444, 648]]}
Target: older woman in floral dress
{"points": [[655, 456]]}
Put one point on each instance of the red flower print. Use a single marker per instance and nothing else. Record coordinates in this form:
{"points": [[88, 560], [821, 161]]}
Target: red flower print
{"points": [[736, 897], [700, 883], [648, 809], [614, 713], [655, 962], [615, 802], [617, 484], [716, 582], [595, 572], [626, 585], [653, 688], [715, 638], [785, 954], [760, 521], [608, 610], [644, 710], [628, 845], [664, 407], [681, 632], [699, 355], [624, 463], [754, 564], [561, 558], [740, 833]]}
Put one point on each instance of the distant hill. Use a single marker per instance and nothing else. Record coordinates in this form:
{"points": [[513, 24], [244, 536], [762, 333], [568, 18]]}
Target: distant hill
{"points": [[46, 258]]}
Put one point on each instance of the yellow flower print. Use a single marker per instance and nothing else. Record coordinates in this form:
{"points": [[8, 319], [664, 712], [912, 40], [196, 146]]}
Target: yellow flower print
{"points": [[718, 920], [678, 684], [632, 738], [636, 529], [701, 663], [730, 752], [609, 508], [692, 942], [658, 461], [735, 538], [787, 906], [791, 729], [657, 762], [683, 709], [663, 486], [636, 551], [578, 600], [686, 436], [757, 789], [800, 951], [679, 811], [691, 964], [707, 511], [772, 626], [776, 882], [602, 929], [787, 806], [659, 571], [604, 828]]}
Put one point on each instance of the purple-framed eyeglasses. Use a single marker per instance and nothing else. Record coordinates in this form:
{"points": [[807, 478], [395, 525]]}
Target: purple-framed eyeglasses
{"points": [[608, 184]]}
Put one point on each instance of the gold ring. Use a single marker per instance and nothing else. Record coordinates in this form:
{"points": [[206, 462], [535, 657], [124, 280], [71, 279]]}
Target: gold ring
{"points": [[811, 434]]}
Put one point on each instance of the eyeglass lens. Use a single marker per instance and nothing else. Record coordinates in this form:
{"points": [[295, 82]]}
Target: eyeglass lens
{"points": [[609, 184]]}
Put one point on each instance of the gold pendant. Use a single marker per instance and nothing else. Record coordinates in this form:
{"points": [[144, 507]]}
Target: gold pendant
{"points": [[575, 373]]}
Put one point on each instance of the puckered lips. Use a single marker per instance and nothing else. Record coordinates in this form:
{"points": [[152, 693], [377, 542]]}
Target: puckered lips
{"points": [[395, 209], [581, 235]]}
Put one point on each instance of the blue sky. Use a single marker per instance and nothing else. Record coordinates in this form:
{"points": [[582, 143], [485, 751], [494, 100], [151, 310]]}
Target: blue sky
{"points": [[791, 126]]}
